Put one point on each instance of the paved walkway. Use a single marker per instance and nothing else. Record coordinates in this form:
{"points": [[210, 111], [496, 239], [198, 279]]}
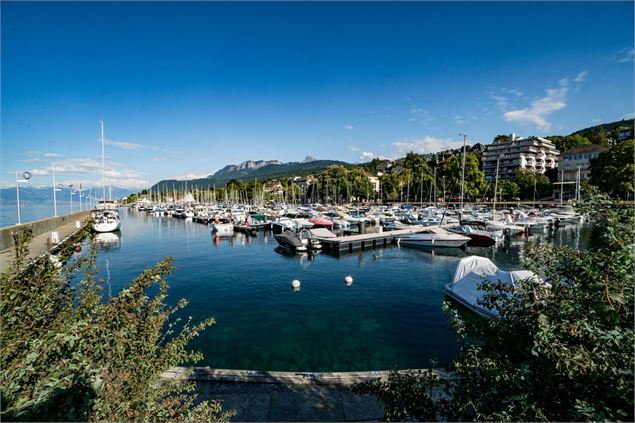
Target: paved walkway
{"points": [[285, 396], [39, 244]]}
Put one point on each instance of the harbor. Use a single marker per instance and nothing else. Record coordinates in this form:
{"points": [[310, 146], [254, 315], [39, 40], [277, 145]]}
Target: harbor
{"points": [[390, 315]]}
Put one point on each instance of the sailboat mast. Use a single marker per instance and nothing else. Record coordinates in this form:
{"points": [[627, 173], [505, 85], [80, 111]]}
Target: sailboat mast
{"points": [[103, 162]]}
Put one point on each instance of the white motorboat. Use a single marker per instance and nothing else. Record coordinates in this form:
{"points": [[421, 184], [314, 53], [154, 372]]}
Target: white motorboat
{"points": [[222, 229], [471, 273], [433, 237]]}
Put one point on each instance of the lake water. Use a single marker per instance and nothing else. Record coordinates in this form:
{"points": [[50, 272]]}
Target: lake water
{"points": [[390, 317], [30, 212]]}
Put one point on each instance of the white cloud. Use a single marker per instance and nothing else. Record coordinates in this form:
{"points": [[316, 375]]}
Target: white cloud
{"points": [[191, 176], [367, 155], [625, 55], [349, 127], [513, 91], [596, 120], [420, 115], [353, 148], [91, 170], [425, 145], [539, 109], [52, 155], [629, 116], [581, 77], [500, 100], [125, 145]]}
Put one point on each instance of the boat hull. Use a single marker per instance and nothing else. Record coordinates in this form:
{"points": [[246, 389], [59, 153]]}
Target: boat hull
{"points": [[103, 227]]}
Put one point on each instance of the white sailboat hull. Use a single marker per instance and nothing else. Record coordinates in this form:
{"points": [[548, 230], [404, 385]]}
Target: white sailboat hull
{"points": [[106, 226]]}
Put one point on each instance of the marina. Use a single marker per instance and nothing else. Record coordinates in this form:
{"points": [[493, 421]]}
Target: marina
{"points": [[387, 315]]}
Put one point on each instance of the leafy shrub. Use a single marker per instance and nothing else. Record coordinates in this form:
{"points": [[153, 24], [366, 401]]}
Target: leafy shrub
{"points": [[70, 354]]}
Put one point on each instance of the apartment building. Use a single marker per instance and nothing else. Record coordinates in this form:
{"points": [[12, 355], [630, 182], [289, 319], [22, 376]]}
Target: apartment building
{"points": [[533, 153]]}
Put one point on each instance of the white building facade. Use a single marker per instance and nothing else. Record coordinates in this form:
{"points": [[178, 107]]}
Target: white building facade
{"points": [[532, 153]]}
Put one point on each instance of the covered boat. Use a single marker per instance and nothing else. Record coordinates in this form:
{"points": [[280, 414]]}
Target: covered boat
{"points": [[471, 272]]}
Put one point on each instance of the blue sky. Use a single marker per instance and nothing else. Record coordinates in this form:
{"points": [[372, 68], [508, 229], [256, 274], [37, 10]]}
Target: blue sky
{"points": [[186, 88]]}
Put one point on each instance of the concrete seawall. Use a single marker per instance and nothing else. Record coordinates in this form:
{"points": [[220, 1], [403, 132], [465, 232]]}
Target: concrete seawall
{"points": [[39, 227]]}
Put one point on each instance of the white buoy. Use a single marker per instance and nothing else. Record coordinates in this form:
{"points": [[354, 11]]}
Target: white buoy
{"points": [[295, 284], [348, 280]]}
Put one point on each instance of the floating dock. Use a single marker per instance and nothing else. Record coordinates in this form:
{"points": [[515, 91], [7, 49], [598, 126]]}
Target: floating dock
{"points": [[348, 244]]}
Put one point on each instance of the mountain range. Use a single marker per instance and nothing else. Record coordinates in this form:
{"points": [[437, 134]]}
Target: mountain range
{"points": [[253, 169]]}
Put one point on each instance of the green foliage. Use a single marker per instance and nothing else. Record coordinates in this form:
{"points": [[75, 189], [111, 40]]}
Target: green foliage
{"points": [[69, 354], [451, 169], [508, 189], [570, 141], [562, 352], [132, 198], [612, 171], [406, 395], [501, 138], [527, 181]]}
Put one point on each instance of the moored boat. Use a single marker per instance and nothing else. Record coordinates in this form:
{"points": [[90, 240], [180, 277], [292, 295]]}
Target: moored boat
{"points": [[433, 237], [470, 274], [477, 237]]}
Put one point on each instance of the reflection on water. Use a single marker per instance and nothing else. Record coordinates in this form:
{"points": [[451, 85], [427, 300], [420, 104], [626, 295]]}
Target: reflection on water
{"points": [[390, 316], [107, 241]]}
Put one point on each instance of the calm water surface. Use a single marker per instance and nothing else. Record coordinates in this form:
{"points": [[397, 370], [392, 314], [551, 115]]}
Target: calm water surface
{"points": [[390, 317]]}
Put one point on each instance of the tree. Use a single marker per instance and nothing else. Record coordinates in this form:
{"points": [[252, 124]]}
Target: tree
{"points": [[451, 169], [508, 189], [570, 141], [527, 181], [558, 352], [501, 138], [612, 171], [69, 353]]}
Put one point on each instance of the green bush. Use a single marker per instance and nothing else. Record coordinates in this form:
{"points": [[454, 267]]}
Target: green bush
{"points": [[69, 354], [563, 353]]}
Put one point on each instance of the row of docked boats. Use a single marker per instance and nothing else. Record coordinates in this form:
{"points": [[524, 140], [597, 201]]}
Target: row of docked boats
{"points": [[435, 226]]}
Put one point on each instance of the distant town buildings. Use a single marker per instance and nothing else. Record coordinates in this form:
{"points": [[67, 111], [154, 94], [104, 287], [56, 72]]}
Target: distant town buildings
{"points": [[273, 187], [533, 153], [374, 182], [624, 134]]}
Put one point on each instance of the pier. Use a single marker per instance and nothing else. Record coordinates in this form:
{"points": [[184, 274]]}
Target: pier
{"points": [[43, 239], [348, 244]]}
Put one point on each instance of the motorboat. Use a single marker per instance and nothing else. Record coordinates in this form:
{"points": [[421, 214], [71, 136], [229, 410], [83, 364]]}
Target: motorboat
{"points": [[301, 241], [477, 237], [321, 222], [472, 272], [222, 229], [433, 237]]}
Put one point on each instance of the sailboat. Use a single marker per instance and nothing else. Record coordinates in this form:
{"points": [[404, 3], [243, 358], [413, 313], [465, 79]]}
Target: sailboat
{"points": [[105, 217]]}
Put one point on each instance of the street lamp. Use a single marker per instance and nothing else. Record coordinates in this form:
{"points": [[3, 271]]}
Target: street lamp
{"points": [[55, 189], [26, 176], [70, 187]]}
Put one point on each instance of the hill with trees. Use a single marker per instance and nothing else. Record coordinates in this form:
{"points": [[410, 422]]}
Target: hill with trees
{"points": [[242, 173]]}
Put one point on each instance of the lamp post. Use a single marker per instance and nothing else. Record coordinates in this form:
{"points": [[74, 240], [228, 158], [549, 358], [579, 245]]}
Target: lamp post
{"points": [[54, 193], [26, 176], [463, 175], [70, 189]]}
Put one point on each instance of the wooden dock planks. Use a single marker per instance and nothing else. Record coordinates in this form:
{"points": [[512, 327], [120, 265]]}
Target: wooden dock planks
{"points": [[363, 241]]}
